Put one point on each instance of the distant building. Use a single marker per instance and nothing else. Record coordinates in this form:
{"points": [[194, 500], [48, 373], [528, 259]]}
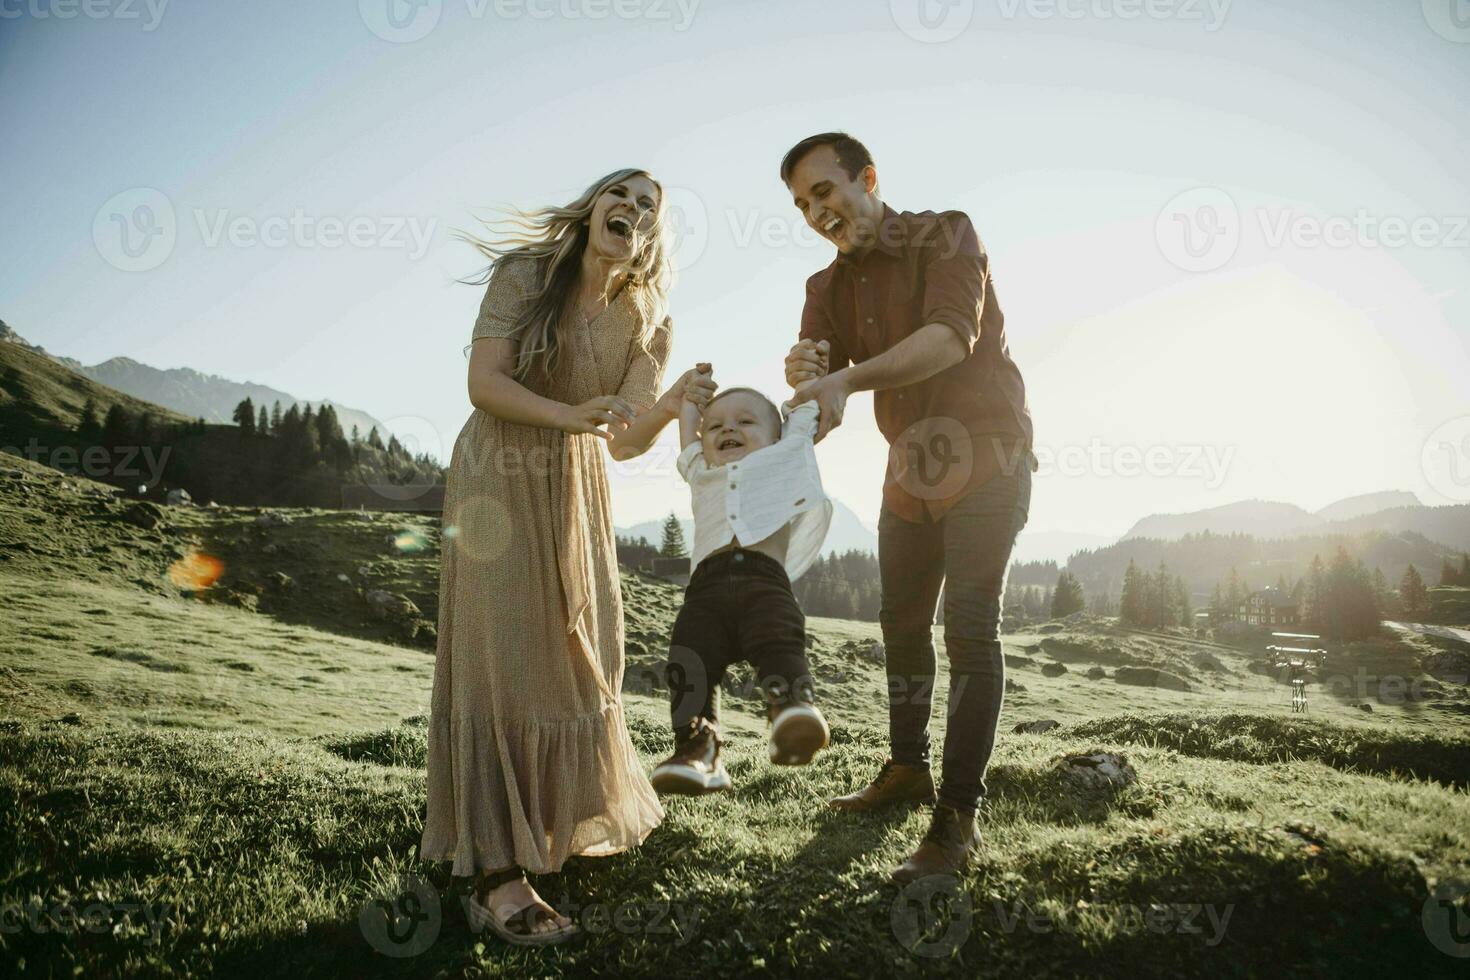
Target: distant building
{"points": [[1270, 607]]}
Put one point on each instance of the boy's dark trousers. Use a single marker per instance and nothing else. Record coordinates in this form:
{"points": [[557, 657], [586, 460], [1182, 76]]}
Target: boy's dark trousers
{"points": [[967, 551], [738, 606]]}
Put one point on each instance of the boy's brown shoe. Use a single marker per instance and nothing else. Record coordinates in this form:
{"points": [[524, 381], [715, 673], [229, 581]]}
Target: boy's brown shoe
{"points": [[945, 849], [798, 732], [695, 767], [895, 783]]}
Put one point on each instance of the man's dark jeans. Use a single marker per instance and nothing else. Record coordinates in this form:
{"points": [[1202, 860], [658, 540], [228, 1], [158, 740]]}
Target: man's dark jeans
{"points": [[970, 549]]}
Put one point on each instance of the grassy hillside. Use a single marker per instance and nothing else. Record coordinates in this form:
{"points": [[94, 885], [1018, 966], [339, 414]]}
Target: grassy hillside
{"points": [[227, 786], [40, 397]]}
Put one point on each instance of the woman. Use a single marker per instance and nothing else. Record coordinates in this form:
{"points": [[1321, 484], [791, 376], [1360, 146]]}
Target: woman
{"points": [[529, 757]]}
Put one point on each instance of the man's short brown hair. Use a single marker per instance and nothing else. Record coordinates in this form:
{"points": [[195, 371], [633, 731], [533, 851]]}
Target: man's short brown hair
{"points": [[851, 154]]}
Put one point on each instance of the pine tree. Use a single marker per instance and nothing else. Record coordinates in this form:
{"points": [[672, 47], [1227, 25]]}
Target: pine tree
{"points": [[1349, 607], [89, 426], [1235, 595], [1217, 606], [1067, 598], [1183, 607], [374, 440], [1413, 596], [1387, 600], [673, 544], [1162, 608], [1132, 607], [245, 416], [1314, 612], [118, 427], [276, 417], [263, 421]]}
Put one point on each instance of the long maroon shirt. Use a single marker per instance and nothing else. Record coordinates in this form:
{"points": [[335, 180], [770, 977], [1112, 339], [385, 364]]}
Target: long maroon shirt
{"points": [[953, 431]]}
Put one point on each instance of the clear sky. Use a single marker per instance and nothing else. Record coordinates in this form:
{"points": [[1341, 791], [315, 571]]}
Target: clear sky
{"points": [[1231, 235]]}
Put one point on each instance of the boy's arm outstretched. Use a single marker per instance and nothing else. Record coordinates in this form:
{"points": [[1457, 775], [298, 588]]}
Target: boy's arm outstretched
{"points": [[800, 420], [690, 413]]}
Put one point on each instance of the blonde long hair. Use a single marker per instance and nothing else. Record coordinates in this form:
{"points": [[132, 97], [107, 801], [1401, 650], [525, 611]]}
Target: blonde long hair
{"points": [[555, 238]]}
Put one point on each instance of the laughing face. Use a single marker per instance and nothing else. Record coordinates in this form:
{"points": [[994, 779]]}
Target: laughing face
{"points": [[623, 217], [736, 425], [844, 210]]}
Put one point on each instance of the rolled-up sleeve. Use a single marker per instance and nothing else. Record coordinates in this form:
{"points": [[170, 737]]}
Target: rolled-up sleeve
{"points": [[691, 462], [816, 324], [954, 277], [801, 421]]}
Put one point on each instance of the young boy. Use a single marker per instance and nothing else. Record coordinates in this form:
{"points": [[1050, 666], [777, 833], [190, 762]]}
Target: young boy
{"points": [[760, 517]]}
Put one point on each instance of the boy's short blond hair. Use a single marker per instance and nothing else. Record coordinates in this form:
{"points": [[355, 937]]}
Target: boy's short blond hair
{"points": [[770, 406]]}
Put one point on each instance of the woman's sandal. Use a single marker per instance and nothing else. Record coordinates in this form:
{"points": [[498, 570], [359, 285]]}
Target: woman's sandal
{"points": [[519, 928]]}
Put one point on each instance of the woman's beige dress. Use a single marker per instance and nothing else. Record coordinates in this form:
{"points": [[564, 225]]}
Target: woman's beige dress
{"points": [[529, 756]]}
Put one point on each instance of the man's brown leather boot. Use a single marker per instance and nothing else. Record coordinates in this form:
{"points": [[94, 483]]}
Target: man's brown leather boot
{"points": [[895, 783], [945, 849]]}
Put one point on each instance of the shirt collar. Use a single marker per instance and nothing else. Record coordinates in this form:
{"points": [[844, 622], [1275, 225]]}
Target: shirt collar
{"points": [[892, 232]]}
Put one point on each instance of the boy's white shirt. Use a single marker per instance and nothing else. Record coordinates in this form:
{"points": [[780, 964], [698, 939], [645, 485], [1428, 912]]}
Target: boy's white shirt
{"points": [[756, 496]]}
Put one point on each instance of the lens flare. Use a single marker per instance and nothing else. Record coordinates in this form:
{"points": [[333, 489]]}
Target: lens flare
{"points": [[410, 542], [196, 570]]}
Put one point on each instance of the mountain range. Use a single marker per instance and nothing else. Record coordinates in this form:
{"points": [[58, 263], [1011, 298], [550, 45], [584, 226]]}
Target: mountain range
{"points": [[1393, 511], [192, 393]]}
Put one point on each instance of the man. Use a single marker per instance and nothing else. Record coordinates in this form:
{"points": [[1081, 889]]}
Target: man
{"points": [[907, 310]]}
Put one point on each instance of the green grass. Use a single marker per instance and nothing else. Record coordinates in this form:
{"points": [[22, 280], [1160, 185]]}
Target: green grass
{"points": [[229, 792], [257, 853]]}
